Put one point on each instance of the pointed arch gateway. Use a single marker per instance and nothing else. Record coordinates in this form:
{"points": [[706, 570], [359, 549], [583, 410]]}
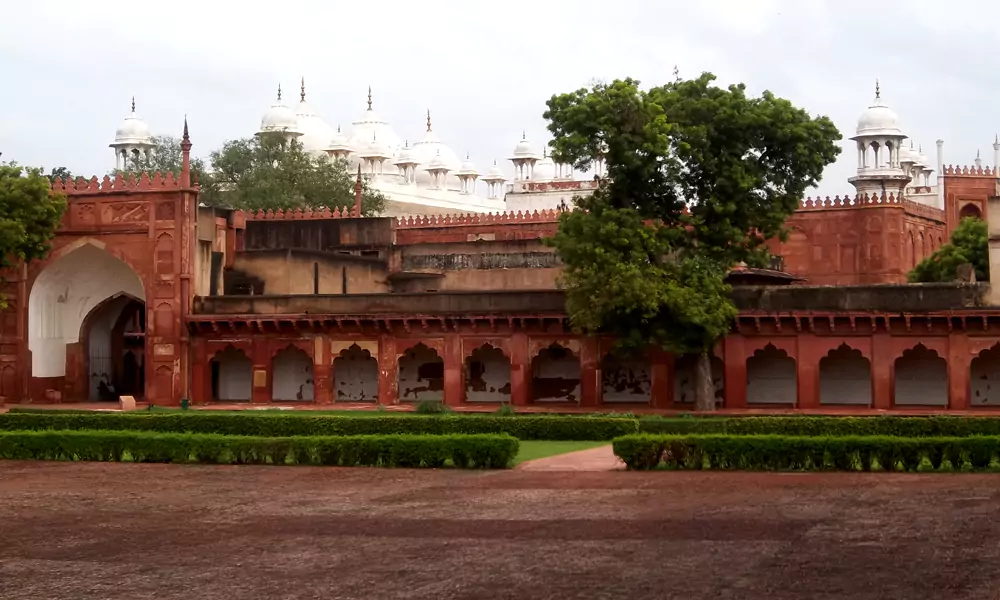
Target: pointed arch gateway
{"points": [[87, 325]]}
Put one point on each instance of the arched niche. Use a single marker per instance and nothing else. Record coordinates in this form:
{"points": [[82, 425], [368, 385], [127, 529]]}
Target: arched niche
{"points": [[112, 339], [685, 368], [984, 378], [970, 210], [920, 378], [420, 375], [65, 294], [555, 375], [355, 375], [292, 378], [626, 378], [845, 377], [771, 377], [487, 375], [232, 376]]}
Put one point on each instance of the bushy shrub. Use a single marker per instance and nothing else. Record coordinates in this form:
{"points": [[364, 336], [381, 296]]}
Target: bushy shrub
{"points": [[779, 452], [463, 451], [506, 410], [901, 426], [432, 407], [554, 428]]}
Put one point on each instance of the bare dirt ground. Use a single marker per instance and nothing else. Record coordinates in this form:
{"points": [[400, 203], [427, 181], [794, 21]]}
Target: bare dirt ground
{"points": [[127, 531]]}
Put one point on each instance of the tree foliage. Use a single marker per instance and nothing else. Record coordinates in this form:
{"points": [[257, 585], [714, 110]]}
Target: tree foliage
{"points": [[698, 178], [29, 215], [969, 244], [255, 174]]}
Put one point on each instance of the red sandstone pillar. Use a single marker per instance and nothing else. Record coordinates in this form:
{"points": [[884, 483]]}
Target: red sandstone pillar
{"points": [[201, 383], [520, 370], [661, 378], [388, 384], [453, 362], [882, 372], [590, 372], [807, 371], [735, 378], [959, 362], [261, 357], [322, 371]]}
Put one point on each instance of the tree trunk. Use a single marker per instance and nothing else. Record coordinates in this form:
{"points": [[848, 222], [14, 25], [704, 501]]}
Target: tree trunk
{"points": [[704, 389]]}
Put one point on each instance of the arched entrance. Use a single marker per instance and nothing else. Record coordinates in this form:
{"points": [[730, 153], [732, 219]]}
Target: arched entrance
{"points": [[86, 327]]}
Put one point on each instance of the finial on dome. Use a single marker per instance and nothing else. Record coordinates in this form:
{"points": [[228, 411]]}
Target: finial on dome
{"points": [[878, 91], [467, 155], [977, 154], [428, 120], [133, 103], [524, 136], [494, 162], [338, 128], [279, 92], [184, 137], [369, 97], [302, 90]]}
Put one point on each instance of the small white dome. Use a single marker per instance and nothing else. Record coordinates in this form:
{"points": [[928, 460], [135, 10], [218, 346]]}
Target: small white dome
{"points": [[878, 119], [405, 155], [495, 172], [523, 149], [431, 148], [133, 131], [279, 118], [376, 150], [369, 124], [316, 133], [907, 155], [545, 169], [339, 142], [923, 160], [438, 163], [468, 167]]}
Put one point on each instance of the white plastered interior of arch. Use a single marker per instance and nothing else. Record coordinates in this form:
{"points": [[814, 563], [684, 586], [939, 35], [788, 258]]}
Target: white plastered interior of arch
{"points": [[62, 297]]}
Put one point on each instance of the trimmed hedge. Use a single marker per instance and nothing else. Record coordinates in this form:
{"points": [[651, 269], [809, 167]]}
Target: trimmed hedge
{"points": [[464, 451], [554, 428], [908, 426], [808, 453]]}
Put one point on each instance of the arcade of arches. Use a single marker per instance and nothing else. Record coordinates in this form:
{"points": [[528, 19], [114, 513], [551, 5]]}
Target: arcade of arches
{"points": [[87, 325], [775, 372]]}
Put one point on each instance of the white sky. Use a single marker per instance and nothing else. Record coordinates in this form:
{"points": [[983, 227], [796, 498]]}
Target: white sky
{"points": [[68, 69]]}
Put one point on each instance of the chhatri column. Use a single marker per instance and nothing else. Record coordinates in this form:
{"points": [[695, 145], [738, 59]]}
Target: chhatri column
{"points": [[388, 384], [520, 370], [322, 371], [453, 392]]}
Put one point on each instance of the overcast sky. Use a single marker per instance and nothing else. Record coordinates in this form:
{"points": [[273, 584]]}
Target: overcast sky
{"points": [[69, 69]]}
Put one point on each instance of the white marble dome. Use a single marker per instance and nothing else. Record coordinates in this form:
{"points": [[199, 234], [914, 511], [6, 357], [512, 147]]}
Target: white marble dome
{"points": [[431, 148], [371, 124], [468, 167], [316, 133], [405, 155], [878, 119], [279, 118], [524, 149], [545, 169], [495, 172], [338, 142], [133, 130]]}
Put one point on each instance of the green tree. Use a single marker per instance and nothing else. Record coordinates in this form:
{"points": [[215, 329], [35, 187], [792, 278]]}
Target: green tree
{"points": [[698, 178], [61, 173], [255, 174], [29, 216], [968, 245], [165, 156]]}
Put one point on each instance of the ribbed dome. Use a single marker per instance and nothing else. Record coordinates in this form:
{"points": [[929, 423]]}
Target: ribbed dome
{"points": [[133, 131], [371, 124], [316, 133], [279, 119]]}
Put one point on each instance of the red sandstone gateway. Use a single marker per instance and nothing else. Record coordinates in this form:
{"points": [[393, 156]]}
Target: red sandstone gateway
{"points": [[146, 293]]}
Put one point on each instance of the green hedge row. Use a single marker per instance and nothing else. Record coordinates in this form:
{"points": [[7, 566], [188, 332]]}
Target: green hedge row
{"points": [[901, 426], [463, 451], [809, 453], [533, 428]]}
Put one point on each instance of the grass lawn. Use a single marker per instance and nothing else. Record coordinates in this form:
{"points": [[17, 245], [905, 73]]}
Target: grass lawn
{"points": [[532, 449]]}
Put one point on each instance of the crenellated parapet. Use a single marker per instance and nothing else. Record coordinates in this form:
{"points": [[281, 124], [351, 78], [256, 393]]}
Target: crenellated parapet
{"points": [[967, 171], [300, 214], [848, 201], [157, 182], [537, 216]]}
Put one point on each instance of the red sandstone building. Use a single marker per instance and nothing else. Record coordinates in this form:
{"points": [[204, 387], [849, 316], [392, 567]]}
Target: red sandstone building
{"points": [[146, 293]]}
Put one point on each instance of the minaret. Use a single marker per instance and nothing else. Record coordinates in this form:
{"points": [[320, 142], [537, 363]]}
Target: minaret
{"points": [[185, 157], [879, 140]]}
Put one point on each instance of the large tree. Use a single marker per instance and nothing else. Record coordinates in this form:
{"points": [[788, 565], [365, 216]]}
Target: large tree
{"points": [[29, 216], [968, 245], [258, 174], [698, 178]]}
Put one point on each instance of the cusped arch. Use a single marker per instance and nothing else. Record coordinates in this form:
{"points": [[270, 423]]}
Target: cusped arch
{"points": [[845, 377], [487, 375], [420, 374], [626, 378], [555, 374], [984, 378], [292, 378], [232, 375], [771, 377], [355, 375], [920, 378]]}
